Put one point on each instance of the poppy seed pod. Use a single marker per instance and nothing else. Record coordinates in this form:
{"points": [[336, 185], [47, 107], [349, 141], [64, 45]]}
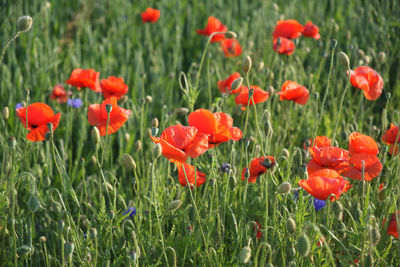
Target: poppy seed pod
{"points": [[129, 162], [6, 113], [284, 188], [303, 246], [109, 108], [237, 83], [157, 150], [291, 226], [231, 35], [24, 23], [95, 135], [246, 64], [344, 59], [245, 255], [174, 205]]}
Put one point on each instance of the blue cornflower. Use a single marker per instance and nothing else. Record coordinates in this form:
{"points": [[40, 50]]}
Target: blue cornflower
{"points": [[318, 204], [225, 167], [131, 211], [19, 105], [75, 103]]}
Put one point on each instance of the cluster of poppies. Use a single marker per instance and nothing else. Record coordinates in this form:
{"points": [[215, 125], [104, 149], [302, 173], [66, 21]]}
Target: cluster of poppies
{"points": [[329, 165], [205, 130], [286, 30], [230, 46], [290, 91]]}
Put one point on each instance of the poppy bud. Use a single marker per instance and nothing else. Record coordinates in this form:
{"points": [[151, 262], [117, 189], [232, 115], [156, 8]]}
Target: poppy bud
{"points": [[291, 226], [367, 59], [260, 66], [382, 194], [236, 83], [182, 111], [24, 23], [157, 150], [231, 35], [12, 142], [153, 131], [127, 137], [93, 233], [246, 64], [132, 255], [257, 149], [138, 145], [61, 225], [344, 59], [33, 203], [375, 235], [174, 205], [25, 250], [94, 160], [382, 57], [154, 123], [109, 108], [43, 239], [149, 99], [111, 214], [387, 95], [245, 255], [95, 135], [303, 246], [270, 90], [285, 153], [284, 188], [333, 43], [69, 248], [361, 52], [268, 129], [129, 162], [338, 210], [6, 113]]}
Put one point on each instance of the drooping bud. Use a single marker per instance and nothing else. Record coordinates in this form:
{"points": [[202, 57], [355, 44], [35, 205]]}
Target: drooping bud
{"points": [[230, 35], [333, 43], [382, 57], [285, 153], [260, 66], [270, 90], [149, 99], [284, 188], [25, 250], [95, 135], [246, 64], [237, 83], [157, 150], [338, 210], [24, 23], [303, 246], [174, 205], [33, 203], [154, 123], [138, 145], [344, 59], [61, 225], [6, 113], [69, 248], [291, 226], [129, 162], [245, 255]]}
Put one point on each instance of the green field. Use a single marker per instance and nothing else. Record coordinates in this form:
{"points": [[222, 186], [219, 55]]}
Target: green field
{"points": [[62, 200]]}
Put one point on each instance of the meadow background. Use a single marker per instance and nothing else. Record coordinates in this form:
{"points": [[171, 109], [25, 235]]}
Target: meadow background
{"points": [[41, 222]]}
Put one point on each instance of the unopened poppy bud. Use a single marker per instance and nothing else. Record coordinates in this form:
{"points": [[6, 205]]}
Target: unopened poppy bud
{"points": [[284, 188], [94, 159], [109, 108], [291, 226], [127, 137], [154, 123], [268, 129], [69, 248], [267, 163], [260, 66], [237, 83], [367, 59], [138, 145], [95, 135], [247, 173], [61, 225], [303, 246], [24, 250], [271, 90], [245, 255], [33, 203], [157, 150], [230, 35], [375, 235], [382, 57], [257, 149], [132, 255], [123, 98], [174, 205], [6, 113], [361, 52], [387, 95], [338, 210], [344, 59], [129, 162], [12, 142], [246, 64], [182, 111], [93, 233], [285, 153], [111, 214], [382, 194], [149, 99], [24, 23], [43, 239], [154, 131]]}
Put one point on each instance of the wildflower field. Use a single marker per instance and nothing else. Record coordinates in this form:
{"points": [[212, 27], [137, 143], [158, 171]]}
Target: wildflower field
{"points": [[199, 133]]}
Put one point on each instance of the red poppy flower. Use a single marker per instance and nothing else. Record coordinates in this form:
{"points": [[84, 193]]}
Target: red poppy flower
{"points": [[323, 185], [85, 78], [295, 92], [259, 166], [257, 228], [368, 80], [287, 28], [311, 30], [187, 171], [113, 86], [319, 141], [231, 47], [97, 115], [373, 167], [225, 86], [259, 96], [361, 143], [283, 45], [217, 126], [59, 94], [392, 228], [150, 15], [391, 135], [213, 25], [178, 142], [333, 158], [39, 115]]}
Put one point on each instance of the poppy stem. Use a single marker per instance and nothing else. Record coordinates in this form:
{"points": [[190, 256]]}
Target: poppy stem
{"points": [[3, 51], [340, 106]]}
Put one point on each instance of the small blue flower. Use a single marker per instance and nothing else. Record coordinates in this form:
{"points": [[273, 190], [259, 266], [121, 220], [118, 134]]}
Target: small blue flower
{"points": [[19, 105], [225, 167], [318, 204], [131, 211], [75, 103]]}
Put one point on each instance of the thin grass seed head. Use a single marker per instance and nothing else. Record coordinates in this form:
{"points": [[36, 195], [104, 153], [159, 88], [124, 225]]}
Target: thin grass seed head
{"points": [[93, 233], [24, 23]]}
